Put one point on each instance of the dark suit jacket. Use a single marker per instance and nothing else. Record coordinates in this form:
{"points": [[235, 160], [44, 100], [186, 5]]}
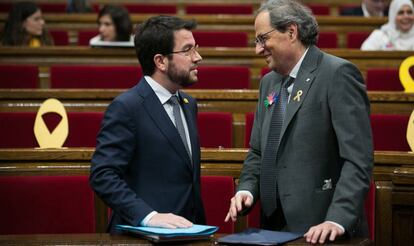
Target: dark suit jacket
{"points": [[140, 163], [326, 135], [357, 11]]}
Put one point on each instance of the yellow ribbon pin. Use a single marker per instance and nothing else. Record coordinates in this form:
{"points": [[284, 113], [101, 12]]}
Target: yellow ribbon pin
{"points": [[298, 95], [185, 100], [406, 80]]}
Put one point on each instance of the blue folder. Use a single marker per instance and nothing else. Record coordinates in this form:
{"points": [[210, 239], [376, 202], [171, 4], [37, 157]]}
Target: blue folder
{"points": [[255, 236]]}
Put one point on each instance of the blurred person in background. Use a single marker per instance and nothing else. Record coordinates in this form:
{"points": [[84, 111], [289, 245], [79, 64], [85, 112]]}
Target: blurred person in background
{"points": [[25, 26], [398, 33], [368, 8], [79, 6], [114, 26]]}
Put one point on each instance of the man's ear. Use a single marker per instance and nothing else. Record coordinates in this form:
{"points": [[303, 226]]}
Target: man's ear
{"points": [[292, 31], [161, 62]]}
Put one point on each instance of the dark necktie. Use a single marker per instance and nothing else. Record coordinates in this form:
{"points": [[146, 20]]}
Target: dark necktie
{"points": [[269, 176], [178, 121]]}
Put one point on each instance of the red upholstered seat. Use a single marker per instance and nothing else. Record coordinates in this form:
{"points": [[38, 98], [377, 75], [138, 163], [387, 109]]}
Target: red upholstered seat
{"points": [[383, 79], [216, 192], [328, 40], [16, 129], [46, 205], [85, 35], [73, 76], [248, 128], [19, 76], [246, 9], [60, 38], [221, 39], [222, 77], [354, 40], [215, 129], [389, 132], [319, 9], [5, 7], [143, 8], [52, 7]]}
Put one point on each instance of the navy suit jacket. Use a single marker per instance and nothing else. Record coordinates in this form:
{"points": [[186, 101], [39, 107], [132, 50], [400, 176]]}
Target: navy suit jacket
{"points": [[140, 163]]}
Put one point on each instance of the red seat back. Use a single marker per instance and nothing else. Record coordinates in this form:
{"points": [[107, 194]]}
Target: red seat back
{"points": [[216, 192], [215, 129], [143, 8], [224, 77], [46, 204], [221, 39], [354, 40], [60, 38], [52, 7], [328, 40], [73, 76], [19, 76], [319, 9], [383, 79], [246, 9], [85, 35], [389, 132], [16, 128]]}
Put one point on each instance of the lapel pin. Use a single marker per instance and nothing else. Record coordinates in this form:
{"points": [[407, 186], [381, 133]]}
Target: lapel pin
{"points": [[185, 100], [327, 184], [308, 79], [298, 95], [270, 99]]}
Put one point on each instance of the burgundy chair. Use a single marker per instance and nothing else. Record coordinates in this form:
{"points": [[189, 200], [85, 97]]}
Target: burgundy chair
{"points": [[264, 71], [253, 218], [53, 7], [246, 9], [216, 192], [16, 128], [249, 118], [222, 77], [319, 9], [46, 205], [389, 132], [215, 129], [354, 40], [143, 8], [85, 35], [328, 40], [60, 38], [5, 7], [84, 76], [383, 79], [19, 76], [221, 39]]}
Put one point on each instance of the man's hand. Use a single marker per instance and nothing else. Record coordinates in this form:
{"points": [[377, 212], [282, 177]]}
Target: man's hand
{"points": [[169, 220], [319, 233], [238, 203]]}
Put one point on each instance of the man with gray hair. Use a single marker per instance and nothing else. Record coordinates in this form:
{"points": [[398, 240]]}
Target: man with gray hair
{"points": [[311, 156]]}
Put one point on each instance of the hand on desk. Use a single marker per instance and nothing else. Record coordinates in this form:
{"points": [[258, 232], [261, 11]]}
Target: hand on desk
{"points": [[319, 233], [169, 221], [237, 203]]}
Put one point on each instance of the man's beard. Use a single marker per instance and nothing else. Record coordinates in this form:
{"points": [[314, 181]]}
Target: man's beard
{"points": [[180, 77]]}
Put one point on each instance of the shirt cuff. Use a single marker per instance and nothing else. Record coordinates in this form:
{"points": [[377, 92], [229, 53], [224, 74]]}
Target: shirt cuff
{"points": [[245, 192], [147, 218], [338, 225]]}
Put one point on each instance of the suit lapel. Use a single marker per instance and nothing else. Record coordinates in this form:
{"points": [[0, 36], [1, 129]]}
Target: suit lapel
{"points": [[187, 108], [301, 86], [157, 112]]}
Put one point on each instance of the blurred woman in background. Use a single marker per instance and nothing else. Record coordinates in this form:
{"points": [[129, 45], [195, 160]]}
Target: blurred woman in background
{"points": [[114, 26], [25, 26], [398, 33]]}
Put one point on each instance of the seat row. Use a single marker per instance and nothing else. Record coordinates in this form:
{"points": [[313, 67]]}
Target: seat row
{"points": [[210, 77], [215, 129]]}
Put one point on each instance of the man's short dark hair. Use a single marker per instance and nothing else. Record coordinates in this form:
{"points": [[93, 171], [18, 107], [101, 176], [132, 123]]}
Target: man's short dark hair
{"points": [[156, 36]]}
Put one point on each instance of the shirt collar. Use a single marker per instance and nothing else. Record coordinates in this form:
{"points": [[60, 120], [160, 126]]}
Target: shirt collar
{"points": [[295, 70], [163, 94]]}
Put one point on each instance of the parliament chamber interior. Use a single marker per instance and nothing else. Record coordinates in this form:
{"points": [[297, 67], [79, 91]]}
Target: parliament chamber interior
{"points": [[37, 185]]}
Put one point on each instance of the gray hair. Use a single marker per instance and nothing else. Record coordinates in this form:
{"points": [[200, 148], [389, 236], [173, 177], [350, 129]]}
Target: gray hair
{"points": [[286, 12]]}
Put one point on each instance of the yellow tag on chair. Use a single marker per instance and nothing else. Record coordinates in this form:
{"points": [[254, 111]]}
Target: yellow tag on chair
{"points": [[410, 132], [57, 137], [406, 80]]}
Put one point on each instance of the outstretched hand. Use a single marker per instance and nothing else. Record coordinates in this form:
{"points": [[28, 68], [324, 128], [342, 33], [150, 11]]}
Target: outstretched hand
{"points": [[169, 220], [237, 203], [319, 233]]}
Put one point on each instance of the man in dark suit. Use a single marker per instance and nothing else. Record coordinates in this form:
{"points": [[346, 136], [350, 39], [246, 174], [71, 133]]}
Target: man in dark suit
{"points": [[310, 162], [368, 8], [146, 166]]}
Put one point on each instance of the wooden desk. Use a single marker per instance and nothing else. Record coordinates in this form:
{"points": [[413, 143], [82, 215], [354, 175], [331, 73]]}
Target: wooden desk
{"points": [[107, 239]]}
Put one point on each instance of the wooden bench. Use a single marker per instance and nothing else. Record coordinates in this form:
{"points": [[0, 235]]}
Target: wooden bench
{"points": [[393, 175]]}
